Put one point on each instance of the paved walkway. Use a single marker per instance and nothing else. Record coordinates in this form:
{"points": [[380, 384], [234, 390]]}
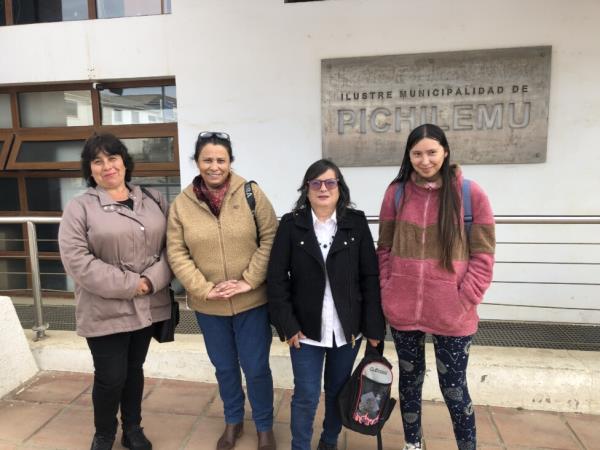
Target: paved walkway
{"points": [[54, 412]]}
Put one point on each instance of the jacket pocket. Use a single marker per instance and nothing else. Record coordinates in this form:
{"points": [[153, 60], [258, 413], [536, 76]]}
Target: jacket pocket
{"points": [[441, 306], [108, 308], [399, 300]]}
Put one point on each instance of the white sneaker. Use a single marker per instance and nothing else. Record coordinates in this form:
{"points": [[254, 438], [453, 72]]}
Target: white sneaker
{"points": [[411, 447]]}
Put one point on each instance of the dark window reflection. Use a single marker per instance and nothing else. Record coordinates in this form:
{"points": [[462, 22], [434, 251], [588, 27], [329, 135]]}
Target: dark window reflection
{"points": [[13, 274], [52, 151], [36, 11], [47, 237], [52, 275], [2, 13], [11, 237], [9, 197], [167, 186], [51, 194], [150, 149]]}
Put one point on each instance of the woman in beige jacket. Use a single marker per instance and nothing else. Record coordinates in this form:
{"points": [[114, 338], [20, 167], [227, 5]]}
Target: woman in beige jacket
{"points": [[112, 244], [218, 247]]}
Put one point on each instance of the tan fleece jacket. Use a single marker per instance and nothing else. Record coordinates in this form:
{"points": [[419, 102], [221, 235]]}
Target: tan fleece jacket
{"points": [[204, 250]]}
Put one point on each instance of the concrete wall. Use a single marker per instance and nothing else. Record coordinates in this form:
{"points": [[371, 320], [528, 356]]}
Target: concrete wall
{"points": [[16, 361], [253, 69]]}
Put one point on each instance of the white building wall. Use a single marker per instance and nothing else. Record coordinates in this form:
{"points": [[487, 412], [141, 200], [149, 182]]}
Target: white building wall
{"points": [[252, 68]]}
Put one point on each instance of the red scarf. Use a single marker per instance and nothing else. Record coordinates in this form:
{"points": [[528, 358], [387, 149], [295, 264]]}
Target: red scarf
{"points": [[212, 197]]}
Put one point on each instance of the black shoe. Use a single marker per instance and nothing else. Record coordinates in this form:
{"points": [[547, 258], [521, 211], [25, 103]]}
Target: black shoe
{"points": [[102, 442], [324, 446], [135, 439]]}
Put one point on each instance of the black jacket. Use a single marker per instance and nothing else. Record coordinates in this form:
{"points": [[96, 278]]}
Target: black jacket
{"points": [[296, 278]]}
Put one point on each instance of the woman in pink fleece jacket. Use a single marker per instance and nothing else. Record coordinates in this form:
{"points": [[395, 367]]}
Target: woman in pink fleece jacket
{"points": [[434, 272]]}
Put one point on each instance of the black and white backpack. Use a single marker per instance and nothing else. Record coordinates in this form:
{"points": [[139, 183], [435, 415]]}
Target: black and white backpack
{"points": [[365, 402]]}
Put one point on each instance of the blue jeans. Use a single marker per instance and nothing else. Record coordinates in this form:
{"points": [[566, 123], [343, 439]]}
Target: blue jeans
{"points": [[241, 340], [307, 364]]}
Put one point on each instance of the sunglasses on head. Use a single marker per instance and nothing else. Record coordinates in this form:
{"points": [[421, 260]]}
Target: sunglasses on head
{"points": [[330, 184], [211, 134]]}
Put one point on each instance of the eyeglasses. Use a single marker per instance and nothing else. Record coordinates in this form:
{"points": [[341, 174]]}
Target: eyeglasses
{"points": [[211, 134], [330, 184]]}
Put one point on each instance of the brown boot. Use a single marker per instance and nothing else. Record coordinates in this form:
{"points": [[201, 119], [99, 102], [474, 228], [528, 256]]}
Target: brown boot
{"points": [[266, 440], [231, 434]]}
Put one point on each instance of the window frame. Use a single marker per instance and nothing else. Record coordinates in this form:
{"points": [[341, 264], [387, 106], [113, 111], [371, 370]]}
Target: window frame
{"points": [[7, 138], [92, 13]]}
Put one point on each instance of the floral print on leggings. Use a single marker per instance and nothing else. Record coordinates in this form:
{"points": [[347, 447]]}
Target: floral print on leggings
{"points": [[452, 356]]}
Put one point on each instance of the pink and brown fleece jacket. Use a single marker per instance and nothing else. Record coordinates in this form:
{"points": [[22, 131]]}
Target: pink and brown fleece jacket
{"points": [[416, 292]]}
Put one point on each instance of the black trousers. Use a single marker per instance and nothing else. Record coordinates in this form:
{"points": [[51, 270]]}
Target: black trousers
{"points": [[118, 378]]}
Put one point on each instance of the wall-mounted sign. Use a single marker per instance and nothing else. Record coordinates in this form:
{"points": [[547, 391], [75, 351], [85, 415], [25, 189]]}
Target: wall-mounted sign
{"points": [[493, 105]]}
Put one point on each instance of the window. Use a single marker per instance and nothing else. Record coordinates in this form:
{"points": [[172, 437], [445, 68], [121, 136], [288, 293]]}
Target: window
{"points": [[124, 8], [42, 132], [143, 104], [55, 109], [35, 11], [17, 12]]}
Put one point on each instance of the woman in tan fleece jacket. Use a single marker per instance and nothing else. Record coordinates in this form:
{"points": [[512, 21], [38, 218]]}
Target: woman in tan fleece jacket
{"points": [[219, 250]]}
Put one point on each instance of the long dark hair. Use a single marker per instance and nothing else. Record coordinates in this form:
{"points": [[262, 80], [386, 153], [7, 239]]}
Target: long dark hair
{"points": [[109, 144], [315, 170], [449, 230]]}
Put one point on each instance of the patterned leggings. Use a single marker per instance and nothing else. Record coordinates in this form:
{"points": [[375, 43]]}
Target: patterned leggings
{"points": [[452, 356]]}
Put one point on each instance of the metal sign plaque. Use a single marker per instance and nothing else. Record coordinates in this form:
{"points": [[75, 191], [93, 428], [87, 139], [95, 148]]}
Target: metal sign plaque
{"points": [[493, 105]]}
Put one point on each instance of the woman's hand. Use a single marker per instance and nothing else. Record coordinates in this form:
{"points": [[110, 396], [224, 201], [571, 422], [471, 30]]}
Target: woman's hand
{"points": [[144, 287], [373, 342], [294, 341], [227, 289]]}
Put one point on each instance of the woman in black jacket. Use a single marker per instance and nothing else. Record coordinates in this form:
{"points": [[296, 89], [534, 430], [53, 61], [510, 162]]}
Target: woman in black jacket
{"points": [[323, 290]]}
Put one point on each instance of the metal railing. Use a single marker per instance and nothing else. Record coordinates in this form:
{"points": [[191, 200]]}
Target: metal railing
{"points": [[40, 326]]}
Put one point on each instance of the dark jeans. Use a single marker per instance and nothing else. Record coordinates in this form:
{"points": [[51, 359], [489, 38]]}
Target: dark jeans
{"points": [[307, 364], [452, 357], [118, 378], [243, 339]]}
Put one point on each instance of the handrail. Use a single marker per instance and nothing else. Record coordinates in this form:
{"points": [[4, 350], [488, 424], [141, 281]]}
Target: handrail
{"points": [[40, 326]]}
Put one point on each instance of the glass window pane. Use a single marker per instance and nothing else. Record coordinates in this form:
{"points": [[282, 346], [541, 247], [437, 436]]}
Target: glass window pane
{"points": [[52, 275], [9, 199], [56, 109], [2, 14], [35, 11], [158, 149], [131, 106], [13, 274], [167, 186], [5, 117], [47, 237], [52, 151], [11, 237], [123, 8], [52, 194]]}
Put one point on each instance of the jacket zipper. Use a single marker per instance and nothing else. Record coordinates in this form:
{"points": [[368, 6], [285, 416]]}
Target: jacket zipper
{"points": [[224, 261], [419, 308]]}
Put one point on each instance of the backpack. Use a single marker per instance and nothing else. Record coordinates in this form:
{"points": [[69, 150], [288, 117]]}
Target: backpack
{"points": [[466, 198], [365, 401]]}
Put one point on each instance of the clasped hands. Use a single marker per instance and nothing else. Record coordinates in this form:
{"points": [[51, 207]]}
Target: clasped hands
{"points": [[144, 287], [227, 289]]}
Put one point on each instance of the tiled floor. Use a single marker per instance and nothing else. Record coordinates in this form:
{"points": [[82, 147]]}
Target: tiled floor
{"points": [[54, 412]]}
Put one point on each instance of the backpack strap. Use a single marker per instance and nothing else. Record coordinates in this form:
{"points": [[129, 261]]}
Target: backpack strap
{"points": [[467, 207], [398, 195], [252, 205], [149, 194]]}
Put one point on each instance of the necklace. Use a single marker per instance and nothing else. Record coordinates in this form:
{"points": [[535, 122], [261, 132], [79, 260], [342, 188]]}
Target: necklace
{"points": [[326, 244]]}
